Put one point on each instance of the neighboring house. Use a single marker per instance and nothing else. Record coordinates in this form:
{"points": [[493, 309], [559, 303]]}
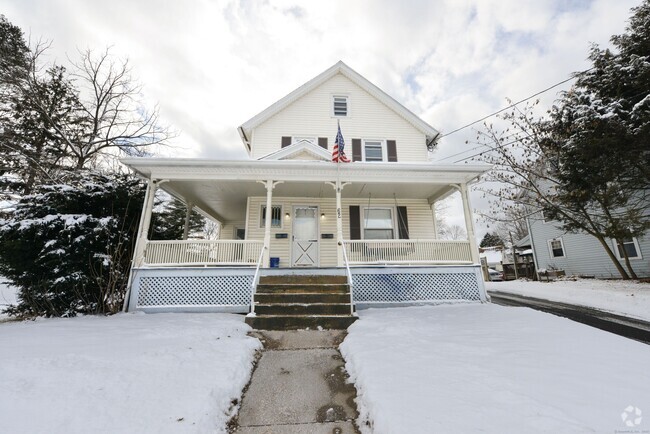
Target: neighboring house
{"points": [[289, 209], [581, 254]]}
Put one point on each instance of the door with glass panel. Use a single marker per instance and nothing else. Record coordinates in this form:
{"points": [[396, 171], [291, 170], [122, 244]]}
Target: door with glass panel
{"points": [[304, 250]]}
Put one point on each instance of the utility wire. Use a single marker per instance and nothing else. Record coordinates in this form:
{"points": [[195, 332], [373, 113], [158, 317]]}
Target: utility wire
{"points": [[516, 103]]}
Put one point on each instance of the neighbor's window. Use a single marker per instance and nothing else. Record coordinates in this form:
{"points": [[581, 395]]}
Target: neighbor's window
{"points": [[373, 150], [340, 107], [378, 224], [556, 247], [631, 247], [276, 216]]}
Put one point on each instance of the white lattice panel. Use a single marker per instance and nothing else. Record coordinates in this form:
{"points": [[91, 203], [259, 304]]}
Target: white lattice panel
{"points": [[404, 287], [201, 290]]}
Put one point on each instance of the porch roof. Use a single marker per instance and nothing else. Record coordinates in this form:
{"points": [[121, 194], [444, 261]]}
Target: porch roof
{"points": [[220, 187]]}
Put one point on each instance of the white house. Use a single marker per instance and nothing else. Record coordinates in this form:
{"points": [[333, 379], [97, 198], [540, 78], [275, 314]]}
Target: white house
{"points": [[290, 206]]}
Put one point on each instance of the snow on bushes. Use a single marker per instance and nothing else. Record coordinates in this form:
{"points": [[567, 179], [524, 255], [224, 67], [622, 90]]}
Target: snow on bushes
{"points": [[67, 247]]}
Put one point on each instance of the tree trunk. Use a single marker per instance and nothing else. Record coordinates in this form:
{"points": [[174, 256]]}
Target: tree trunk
{"points": [[611, 255], [628, 265]]}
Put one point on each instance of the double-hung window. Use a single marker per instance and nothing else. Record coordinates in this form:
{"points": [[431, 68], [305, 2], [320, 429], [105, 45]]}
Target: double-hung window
{"points": [[378, 224], [373, 150], [630, 246], [276, 216], [556, 248]]}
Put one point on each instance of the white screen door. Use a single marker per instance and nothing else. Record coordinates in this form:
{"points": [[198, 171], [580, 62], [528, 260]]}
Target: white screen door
{"points": [[305, 236]]}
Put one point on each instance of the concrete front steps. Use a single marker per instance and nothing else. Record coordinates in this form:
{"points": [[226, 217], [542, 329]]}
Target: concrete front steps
{"points": [[302, 301]]}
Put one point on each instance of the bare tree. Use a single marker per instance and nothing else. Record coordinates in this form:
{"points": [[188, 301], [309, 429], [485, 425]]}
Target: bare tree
{"points": [[452, 232]]}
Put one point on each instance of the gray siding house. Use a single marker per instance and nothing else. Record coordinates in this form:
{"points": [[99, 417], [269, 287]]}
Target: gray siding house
{"points": [[582, 254]]}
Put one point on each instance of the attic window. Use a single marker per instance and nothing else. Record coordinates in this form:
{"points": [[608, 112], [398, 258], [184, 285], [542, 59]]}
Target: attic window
{"points": [[340, 106]]}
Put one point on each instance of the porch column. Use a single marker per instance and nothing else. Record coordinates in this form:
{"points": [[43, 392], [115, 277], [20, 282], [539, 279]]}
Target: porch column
{"points": [[338, 187], [435, 223], [186, 226], [270, 185], [469, 223], [145, 222]]}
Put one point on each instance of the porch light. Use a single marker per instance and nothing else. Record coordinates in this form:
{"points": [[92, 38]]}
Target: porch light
{"points": [[286, 215], [322, 215]]}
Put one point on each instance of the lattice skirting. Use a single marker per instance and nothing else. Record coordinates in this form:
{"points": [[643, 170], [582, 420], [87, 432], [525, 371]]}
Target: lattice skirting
{"points": [[413, 285], [217, 290]]}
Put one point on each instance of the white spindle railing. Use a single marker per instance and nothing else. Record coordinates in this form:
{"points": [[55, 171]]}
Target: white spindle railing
{"points": [[408, 252], [203, 252]]}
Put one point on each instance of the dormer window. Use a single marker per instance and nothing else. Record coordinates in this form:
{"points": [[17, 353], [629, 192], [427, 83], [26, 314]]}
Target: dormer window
{"points": [[340, 106]]}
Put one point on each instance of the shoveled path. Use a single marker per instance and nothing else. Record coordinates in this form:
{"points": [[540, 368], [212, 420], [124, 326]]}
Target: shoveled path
{"points": [[298, 387]]}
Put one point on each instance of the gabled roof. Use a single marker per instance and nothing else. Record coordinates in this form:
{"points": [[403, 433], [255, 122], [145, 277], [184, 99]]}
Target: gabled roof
{"points": [[303, 146], [338, 68]]}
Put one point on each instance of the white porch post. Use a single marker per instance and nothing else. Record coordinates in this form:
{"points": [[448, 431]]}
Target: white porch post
{"points": [[186, 226], [469, 223], [145, 222], [270, 185], [338, 187], [435, 223]]}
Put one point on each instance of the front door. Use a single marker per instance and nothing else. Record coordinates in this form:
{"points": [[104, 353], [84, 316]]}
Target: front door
{"points": [[305, 236]]}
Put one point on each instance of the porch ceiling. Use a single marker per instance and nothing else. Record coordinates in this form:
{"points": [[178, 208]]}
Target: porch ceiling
{"points": [[220, 188]]}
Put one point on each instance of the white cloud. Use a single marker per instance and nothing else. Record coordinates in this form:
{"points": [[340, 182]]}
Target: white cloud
{"points": [[211, 65]]}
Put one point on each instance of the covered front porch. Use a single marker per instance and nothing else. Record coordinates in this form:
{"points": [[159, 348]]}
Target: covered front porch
{"points": [[323, 217]]}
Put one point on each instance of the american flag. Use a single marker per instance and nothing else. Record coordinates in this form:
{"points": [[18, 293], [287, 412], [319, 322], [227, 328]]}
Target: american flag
{"points": [[338, 156]]}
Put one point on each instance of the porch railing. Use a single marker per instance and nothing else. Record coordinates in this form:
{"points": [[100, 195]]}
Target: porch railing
{"points": [[202, 252], [367, 252]]}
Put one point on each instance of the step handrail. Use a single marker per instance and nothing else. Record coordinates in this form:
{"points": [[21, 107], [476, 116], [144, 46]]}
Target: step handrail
{"points": [[349, 273], [256, 278]]}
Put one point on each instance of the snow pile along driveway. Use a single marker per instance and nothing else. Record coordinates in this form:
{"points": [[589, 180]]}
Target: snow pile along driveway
{"points": [[493, 369], [627, 298], [129, 373]]}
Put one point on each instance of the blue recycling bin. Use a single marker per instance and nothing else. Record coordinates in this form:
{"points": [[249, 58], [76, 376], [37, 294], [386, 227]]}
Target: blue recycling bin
{"points": [[275, 262]]}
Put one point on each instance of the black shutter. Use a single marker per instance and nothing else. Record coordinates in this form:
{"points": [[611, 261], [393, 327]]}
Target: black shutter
{"points": [[355, 223], [356, 149], [402, 223], [391, 146], [322, 142], [286, 141]]}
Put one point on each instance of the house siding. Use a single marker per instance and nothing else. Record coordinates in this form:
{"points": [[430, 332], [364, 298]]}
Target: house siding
{"points": [[368, 118], [420, 223], [584, 255]]}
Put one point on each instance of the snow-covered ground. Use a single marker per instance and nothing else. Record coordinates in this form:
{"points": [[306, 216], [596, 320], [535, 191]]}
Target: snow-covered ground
{"points": [[129, 373], [7, 296], [493, 369], [628, 298]]}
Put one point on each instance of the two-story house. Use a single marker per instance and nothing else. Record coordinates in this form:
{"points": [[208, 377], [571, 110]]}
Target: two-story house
{"points": [[290, 210]]}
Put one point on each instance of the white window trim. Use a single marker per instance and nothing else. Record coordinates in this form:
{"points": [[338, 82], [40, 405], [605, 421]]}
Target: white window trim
{"points": [[347, 100], [384, 150], [393, 213], [632, 258], [550, 248], [262, 221], [298, 139], [234, 232]]}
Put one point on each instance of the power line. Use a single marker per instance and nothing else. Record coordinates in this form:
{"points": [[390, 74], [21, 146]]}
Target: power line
{"points": [[516, 103], [487, 150], [480, 145]]}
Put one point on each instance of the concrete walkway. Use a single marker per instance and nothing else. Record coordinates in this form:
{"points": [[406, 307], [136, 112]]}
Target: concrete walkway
{"points": [[298, 387]]}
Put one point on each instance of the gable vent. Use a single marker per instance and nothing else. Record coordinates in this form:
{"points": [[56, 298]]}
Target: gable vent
{"points": [[340, 106]]}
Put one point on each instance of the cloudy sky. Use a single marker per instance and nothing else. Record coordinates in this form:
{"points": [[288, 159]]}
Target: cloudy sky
{"points": [[211, 65]]}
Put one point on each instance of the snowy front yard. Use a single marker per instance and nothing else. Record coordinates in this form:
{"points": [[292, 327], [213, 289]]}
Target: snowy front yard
{"points": [[627, 298], [493, 369], [130, 373]]}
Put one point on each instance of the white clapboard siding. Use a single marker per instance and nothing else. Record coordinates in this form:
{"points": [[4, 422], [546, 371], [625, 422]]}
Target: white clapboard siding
{"points": [[368, 118], [419, 219], [227, 231]]}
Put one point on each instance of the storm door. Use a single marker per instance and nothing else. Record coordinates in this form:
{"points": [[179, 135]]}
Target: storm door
{"points": [[304, 251]]}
